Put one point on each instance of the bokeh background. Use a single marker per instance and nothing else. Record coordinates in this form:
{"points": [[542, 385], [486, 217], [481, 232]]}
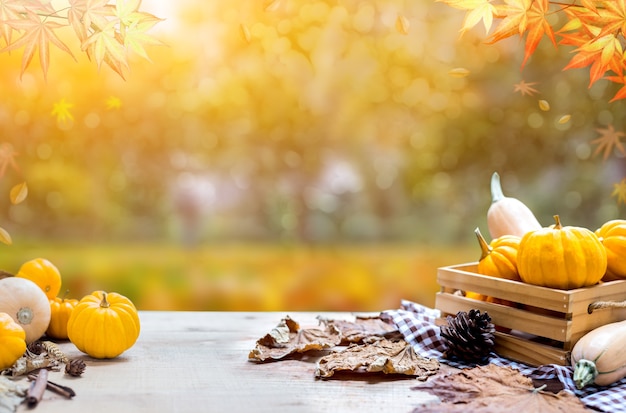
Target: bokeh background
{"points": [[294, 155]]}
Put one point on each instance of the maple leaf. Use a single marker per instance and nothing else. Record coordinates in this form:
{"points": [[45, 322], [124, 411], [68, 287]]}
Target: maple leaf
{"points": [[38, 34], [7, 158], [135, 36], [619, 190], [493, 388], [621, 94], [113, 102], [61, 110], [477, 11], [525, 88], [288, 338], [608, 140], [385, 356], [106, 47], [602, 53], [85, 15]]}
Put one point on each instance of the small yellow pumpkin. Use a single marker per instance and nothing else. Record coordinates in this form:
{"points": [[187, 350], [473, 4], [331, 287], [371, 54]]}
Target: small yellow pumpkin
{"points": [[499, 258], [12, 341], [104, 325], [27, 304], [613, 237], [60, 311], [43, 273], [561, 257]]}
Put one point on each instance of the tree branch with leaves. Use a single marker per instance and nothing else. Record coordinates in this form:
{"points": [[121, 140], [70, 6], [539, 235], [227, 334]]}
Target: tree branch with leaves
{"points": [[595, 28], [107, 33]]}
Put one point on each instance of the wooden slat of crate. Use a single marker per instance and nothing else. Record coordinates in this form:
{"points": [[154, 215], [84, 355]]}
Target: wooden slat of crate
{"points": [[529, 352], [576, 301], [504, 316], [461, 277]]}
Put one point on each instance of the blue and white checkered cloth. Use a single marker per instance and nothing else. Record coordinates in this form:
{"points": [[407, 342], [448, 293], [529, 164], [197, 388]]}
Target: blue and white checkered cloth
{"points": [[417, 325]]}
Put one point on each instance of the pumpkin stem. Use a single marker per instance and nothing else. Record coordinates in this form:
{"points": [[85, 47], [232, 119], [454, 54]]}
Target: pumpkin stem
{"points": [[104, 303], [558, 222], [496, 188], [485, 248], [585, 373]]}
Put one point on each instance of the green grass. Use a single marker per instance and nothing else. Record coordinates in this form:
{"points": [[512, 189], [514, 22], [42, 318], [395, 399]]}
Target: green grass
{"points": [[250, 277]]}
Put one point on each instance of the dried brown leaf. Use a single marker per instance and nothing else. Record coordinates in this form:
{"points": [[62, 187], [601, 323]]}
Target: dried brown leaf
{"points": [[496, 389], [287, 338], [18, 193], [385, 356], [362, 329]]}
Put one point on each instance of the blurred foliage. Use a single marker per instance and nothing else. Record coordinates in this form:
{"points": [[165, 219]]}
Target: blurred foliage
{"points": [[251, 277], [291, 123]]}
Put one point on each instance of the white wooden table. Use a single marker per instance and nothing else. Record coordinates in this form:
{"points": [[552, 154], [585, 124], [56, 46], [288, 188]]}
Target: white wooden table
{"points": [[198, 362]]}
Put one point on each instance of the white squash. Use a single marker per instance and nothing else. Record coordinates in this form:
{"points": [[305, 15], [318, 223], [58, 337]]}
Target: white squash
{"points": [[599, 357], [508, 216], [27, 304]]}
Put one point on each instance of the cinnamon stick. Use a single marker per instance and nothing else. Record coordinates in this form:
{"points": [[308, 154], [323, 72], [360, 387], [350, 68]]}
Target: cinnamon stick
{"points": [[36, 389], [56, 388]]}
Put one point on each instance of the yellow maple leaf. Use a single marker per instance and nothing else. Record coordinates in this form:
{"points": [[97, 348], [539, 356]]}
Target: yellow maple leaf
{"points": [[113, 102], [477, 11], [61, 110], [619, 190]]}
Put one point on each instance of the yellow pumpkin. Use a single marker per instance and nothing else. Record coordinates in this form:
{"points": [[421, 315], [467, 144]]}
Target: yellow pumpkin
{"points": [[27, 304], [12, 341], [561, 257], [104, 325], [60, 312], [613, 237], [499, 258], [43, 273]]}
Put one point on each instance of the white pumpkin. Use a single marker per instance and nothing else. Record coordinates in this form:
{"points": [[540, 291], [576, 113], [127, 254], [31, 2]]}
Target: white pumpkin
{"points": [[27, 304]]}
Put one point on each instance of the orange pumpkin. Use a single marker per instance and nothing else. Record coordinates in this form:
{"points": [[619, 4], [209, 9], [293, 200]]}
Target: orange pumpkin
{"points": [[60, 312], [43, 273], [499, 258], [561, 257], [612, 234]]}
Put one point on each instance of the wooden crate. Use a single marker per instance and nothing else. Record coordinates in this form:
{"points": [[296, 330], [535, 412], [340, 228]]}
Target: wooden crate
{"points": [[544, 323]]}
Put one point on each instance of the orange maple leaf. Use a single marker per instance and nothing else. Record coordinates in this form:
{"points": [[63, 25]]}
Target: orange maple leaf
{"points": [[608, 141], [621, 94], [39, 33], [525, 88], [619, 190], [524, 17]]}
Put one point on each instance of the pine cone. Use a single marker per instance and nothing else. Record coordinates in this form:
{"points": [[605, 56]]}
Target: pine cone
{"points": [[469, 336], [75, 367]]}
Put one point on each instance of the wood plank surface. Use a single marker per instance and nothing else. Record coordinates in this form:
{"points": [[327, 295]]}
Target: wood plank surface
{"points": [[198, 362]]}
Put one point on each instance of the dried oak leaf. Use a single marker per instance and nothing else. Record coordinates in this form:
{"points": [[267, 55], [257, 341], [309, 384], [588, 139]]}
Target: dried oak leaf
{"points": [[386, 356], [287, 338], [491, 388], [362, 329]]}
